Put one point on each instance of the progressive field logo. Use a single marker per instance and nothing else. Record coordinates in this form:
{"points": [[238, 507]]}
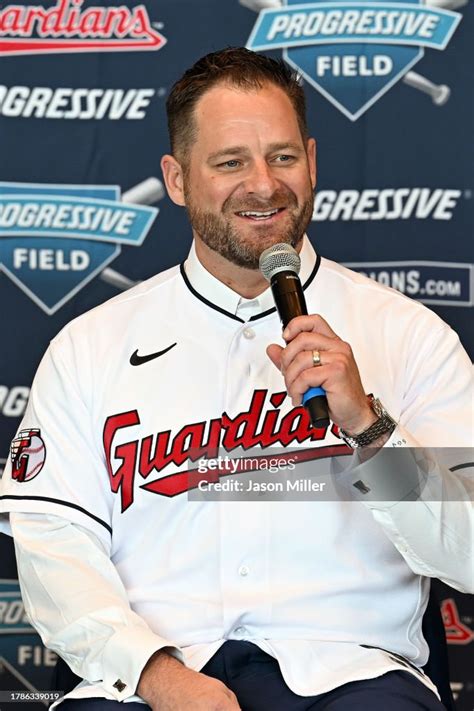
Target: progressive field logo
{"points": [[353, 52], [69, 26], [55, 238]]}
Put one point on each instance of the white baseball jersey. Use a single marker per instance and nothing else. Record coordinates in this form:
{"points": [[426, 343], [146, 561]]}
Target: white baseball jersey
{"points": [[132, 394]]}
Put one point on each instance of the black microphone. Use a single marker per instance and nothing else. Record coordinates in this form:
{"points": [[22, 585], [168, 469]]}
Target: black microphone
{"points": [[280, 265]]}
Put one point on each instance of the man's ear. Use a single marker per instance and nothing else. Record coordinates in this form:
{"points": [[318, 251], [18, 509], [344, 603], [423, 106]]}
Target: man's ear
{"points": [[173, 177], [311, 153]]}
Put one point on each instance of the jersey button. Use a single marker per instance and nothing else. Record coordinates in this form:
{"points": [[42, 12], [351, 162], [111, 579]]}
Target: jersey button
{"points": [[244, 571], [249, 333], [240, 631]]}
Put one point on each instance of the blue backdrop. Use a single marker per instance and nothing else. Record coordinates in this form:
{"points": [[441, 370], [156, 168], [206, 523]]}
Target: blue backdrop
{"points": [[83, 212]]}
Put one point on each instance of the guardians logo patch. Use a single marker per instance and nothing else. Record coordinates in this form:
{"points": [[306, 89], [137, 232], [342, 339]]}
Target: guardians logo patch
{"points": [[28, 455]]}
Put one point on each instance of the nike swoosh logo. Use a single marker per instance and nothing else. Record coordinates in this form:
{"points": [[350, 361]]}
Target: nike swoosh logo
{"points": [[136, 359]]}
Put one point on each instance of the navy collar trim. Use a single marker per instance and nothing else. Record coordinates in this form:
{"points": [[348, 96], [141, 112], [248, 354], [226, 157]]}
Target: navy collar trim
{"points": [[199, 296], [203, 299]]}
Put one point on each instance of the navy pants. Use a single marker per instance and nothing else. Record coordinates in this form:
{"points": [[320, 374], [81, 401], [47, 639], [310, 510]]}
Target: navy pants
{"points": [[255, 679]]}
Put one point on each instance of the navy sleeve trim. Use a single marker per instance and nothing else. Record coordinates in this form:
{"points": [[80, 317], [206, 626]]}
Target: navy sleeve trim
{"points": [[467, 465], [57, 501]]}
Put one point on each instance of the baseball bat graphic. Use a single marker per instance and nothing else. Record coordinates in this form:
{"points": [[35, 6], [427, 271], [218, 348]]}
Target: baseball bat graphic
{"points": [[147, 192], [119, 281], [446, 4], [439, 93]]}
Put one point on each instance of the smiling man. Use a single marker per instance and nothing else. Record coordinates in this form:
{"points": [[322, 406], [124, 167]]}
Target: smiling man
{"points": [[248, 180], [153, 597]]}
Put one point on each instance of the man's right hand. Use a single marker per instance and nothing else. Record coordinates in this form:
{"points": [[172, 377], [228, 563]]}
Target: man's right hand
{"points": [[166, 685]]}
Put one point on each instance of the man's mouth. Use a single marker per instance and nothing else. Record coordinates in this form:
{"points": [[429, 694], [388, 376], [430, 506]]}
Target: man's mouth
{"points": [[260, 215]]}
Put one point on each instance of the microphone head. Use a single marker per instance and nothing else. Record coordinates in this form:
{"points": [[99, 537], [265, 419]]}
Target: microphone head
{"points": [[280, 257]]}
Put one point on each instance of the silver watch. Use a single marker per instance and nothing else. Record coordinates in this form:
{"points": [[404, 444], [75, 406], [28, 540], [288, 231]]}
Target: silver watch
{"points": [[383, 425]]}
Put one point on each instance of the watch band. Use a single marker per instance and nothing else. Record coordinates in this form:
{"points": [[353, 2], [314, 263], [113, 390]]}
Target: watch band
{"points": [[385, 424]]}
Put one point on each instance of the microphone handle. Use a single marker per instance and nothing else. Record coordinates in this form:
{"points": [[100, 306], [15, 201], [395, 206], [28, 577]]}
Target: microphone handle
{"points": [[290, 302]]}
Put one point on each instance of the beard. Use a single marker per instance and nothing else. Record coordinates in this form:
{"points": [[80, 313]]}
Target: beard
{"points": [[219, 234]]}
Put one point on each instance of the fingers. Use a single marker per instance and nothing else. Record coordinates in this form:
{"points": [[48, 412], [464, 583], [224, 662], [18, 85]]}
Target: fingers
{"points": [[334, 369], [303, 333], [312, 323], [337, 366], [307, 342], [274, 352], [301, 374]]}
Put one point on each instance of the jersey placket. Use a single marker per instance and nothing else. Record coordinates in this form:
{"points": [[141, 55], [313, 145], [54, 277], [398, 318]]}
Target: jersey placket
{"points": [[244, 525]]}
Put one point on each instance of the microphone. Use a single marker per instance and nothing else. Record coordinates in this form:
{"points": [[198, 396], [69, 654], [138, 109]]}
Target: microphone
{"points": [[280, 265]]}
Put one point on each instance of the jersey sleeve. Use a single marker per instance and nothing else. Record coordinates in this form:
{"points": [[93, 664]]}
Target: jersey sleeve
{"points": [[55, 465], [420, 485], [94, 628]]}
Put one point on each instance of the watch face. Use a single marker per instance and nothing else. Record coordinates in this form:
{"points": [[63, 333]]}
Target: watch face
{"points": [[384, 424], [377, 407], [380, 411]]}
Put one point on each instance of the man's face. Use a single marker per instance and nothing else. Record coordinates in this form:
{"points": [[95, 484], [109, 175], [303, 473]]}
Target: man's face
{"points": [[249, 178]]}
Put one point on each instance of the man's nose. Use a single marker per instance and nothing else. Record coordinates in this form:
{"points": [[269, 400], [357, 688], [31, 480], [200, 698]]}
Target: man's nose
{"points": [[261, 180]]}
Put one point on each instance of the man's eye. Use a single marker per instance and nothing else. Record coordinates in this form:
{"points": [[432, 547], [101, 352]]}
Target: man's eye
{"points": [[284, 158], [229, 164]]}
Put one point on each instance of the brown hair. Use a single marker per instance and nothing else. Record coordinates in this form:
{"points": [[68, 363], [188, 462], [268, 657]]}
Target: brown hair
{"points": [[238, 67]]}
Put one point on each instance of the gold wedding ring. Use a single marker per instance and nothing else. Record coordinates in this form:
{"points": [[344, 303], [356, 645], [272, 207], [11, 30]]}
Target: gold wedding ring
{"points": [[316, 358]]}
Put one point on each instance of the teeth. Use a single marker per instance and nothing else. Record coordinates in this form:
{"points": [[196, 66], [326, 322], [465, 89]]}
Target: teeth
{"points": [[258, 215]]}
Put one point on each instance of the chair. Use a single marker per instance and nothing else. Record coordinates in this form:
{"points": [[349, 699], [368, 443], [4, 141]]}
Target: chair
{"points": [[437, 667]]}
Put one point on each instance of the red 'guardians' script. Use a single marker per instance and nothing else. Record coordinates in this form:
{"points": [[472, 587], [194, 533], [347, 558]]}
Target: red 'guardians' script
{"points": [[259, 426], [69, 27]]}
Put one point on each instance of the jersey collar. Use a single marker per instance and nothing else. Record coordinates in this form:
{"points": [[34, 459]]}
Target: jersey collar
{"points": [[219, 296]]}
